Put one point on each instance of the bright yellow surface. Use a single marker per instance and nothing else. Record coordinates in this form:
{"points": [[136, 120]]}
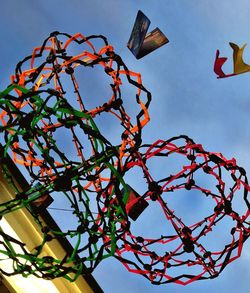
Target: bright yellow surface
{"points": [[21, 225]]}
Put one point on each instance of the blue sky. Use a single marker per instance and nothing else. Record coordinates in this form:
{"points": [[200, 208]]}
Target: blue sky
{"points": [[187, 96]]}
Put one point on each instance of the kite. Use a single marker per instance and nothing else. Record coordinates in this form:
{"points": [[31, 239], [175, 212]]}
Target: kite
{"points": [[140, 43], [239, 65], [187, 251], [36, 110], [51, 130]]}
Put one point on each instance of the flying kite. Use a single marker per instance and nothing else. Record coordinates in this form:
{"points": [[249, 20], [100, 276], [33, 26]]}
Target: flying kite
{"points": [[189, 249], [36, 111], [239, 65], [87, 171], [140, 43]]}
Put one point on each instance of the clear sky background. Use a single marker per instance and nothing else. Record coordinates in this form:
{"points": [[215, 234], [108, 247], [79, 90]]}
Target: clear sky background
{"points": [[187, 96]]}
